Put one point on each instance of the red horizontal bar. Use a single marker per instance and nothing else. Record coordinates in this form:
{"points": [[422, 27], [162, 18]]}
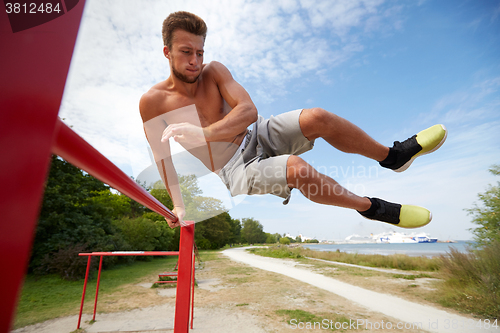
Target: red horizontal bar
{"points": [[131, 253], [78, 152]]}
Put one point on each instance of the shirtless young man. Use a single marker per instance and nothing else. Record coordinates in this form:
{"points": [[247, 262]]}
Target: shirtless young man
{"points": [[204, 109]]}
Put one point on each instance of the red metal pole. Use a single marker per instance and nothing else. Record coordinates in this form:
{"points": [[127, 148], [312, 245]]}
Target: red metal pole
{"points": [[183, 294], [34, 64], [97, 288], [78, 152], [192, 290], [83, 293]]}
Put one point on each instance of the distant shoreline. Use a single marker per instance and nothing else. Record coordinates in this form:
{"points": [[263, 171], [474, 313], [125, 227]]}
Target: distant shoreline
{"points": [[410, 249]]}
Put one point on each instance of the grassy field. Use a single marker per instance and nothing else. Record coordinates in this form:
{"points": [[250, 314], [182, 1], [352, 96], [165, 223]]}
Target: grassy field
{"points": [[398, 261], [467, 282], [49, 296]]}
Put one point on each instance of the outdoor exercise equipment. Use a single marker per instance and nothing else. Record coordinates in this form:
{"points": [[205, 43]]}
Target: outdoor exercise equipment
{"points": [[34, 64]]}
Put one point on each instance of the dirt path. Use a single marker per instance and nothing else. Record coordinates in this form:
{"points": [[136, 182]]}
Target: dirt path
{"points": [[275, 296], [431, 319]]}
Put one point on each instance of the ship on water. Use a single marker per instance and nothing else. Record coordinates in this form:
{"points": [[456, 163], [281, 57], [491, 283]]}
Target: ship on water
{"points": [[392, 238], [397, 237]]}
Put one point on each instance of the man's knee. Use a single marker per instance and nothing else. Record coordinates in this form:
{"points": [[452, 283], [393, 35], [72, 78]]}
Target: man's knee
{"points": [[312, 122], [297, 169], [318, 115]]}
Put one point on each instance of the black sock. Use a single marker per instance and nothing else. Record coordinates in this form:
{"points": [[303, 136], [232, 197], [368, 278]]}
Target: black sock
{"points": [[372, 210], [390, 159]]}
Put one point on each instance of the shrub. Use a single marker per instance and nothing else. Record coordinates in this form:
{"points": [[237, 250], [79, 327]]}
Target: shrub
{"points": [[67, 263], [472, 280], [285, 241], [141, 233], [204, 244]]}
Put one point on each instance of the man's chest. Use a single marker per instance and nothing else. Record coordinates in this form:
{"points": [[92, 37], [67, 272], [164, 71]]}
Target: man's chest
{"points": [[202, 109]]}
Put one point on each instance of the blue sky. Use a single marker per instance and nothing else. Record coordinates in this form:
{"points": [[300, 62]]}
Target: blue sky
{"points": [[391, 67]]}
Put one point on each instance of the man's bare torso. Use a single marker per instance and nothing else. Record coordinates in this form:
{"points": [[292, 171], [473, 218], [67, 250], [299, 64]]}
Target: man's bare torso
{"points": [[202, 109]]}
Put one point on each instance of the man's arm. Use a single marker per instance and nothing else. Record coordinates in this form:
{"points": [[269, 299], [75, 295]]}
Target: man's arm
{"points": [[243, 111], [161, 151]]}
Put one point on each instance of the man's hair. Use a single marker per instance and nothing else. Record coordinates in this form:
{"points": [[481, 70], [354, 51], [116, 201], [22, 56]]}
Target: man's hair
{"points": [[184, 21]]}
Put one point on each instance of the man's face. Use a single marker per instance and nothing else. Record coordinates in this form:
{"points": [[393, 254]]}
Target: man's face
{"points": [[186, 55]]}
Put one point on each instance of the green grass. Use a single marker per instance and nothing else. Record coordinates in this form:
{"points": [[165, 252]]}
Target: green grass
{"points": [[398, 261], [472, 281], [277, 252], [298, 318], [49, 296], [411, 277]]}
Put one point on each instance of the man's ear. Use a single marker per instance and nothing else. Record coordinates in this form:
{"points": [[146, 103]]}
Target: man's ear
{"points": [[166, 52]]}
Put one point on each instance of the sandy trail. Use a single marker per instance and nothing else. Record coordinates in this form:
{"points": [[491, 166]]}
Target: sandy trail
{"points": [[431, 319]]}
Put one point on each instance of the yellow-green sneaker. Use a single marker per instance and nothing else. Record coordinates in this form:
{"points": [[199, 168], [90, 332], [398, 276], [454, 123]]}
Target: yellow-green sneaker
{"points": [[404, 216], [424, 142]]}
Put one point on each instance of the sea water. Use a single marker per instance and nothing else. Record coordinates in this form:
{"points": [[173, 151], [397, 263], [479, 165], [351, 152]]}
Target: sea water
{"points": [[414, 250]]}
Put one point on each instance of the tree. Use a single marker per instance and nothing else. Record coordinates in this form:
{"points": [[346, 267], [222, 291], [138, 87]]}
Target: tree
{"points": [[235, 231], [270, 238], [141, 233], [77, 209], [215, 228], [285, 240], [253, 231], [487, 217]]}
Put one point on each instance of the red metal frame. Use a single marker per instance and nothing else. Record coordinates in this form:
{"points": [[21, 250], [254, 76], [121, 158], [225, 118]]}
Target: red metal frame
{"points": [[33, 68], [184, 234], [34, 65], [184, 279], [96, 289], [78, 152]]}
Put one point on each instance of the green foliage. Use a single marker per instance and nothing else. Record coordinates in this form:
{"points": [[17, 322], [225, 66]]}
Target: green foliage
{"points": [[75, 211], [141, 233], [216, 230], [312, 241], [285, 240], [67, 263], [81, 214], [252, 231], [235, 226], [204, 244], [473, 280], [399, 261], [113, 204], [270, 238], [487, 217], [277, 252], [159, 192]]}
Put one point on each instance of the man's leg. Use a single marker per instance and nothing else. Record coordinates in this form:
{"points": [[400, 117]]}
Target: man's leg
{"points": [[347, 137], [324, 190], [340, 133], [320, 188]]}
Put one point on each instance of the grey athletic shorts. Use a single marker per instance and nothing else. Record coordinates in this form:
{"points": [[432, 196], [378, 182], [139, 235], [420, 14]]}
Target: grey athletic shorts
{"points": [[259, 164]]}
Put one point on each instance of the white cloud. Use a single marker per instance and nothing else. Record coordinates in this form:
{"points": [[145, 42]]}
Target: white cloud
{"points": [[478, 102], [118, 56]]}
